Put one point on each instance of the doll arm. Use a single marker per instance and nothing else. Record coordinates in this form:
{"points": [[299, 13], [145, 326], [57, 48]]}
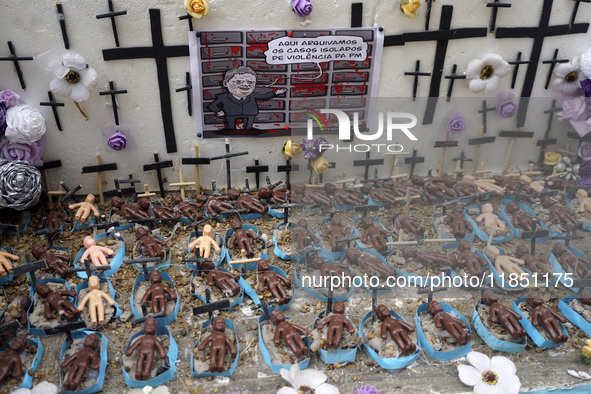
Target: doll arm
{"points": [[84, 256], [69, 360], [170, 293], [262, 281], [480, 218], [146, 296], [82, 303], [195, 242], [106, 250], [438, 320], [107, 298], [232, 347], [67, 293], [232, 240], [10, 256], [47, 310], [132, 347], [161, 350], [515, 314], [384, 331], [406, 326], [559, 316], [252, 234], [204, 343], [277, 336], [300, 329], [74, 206], [322, 323], [516, 260], [96, 361], [349, 326], [534, 317], [214, 244], [282, 278], [95, 210]]}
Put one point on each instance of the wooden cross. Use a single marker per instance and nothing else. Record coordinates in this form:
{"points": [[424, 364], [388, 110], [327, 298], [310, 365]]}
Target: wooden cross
{"points": [[111, 15], [53, 104], [481, 140], [48, 165], [112, 92], [15, 59], [99, 169], [257, 170], [552, 62], [413, 161], [181, 184], [417, 73], [288, 168], [444, 145], [146, 192], [460, 164], [62, 20], [158, 166], [393, 162], [495, 5], [189, 89]]}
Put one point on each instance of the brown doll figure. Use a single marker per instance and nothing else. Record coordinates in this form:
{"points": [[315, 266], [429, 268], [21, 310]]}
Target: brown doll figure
{"points": [[158, 292], [451, 324], [380, 195], [516, 185], [205, 242], [408, 223], [521, 218], [84, 208], [55, 300], [302, 235], [189, 209], [342, 196], [536, 186], [532, 263], [337, 269], [584, 201], [218, 205], [336, 231], [147, 343], [225, 280], [95, 299], [276, 195], [288, 332], [273, 281], [17, 311], [584, 297], [571, 262], [547, 318], [489, 218], [54, 217], [503, 263], [428, 258], [241, 238], [244, 201], [472, 261], [313, 197], [401, 189], [80, 361], [456, 219], [560, 214], [5, 264], [397, 329], [369, 264], [499, 313], [160, 211], [10, 363], [336, 323], [151, 245], [58, 262], [374, 234], [219, 341], [483, 185], [95, 252], [464, 189], [130, 211], [431, 189]]}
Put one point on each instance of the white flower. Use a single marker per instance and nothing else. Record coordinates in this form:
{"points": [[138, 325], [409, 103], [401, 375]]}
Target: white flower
{"points": [[496, 375], [72, 77], [568, 77], [586, 63], [24, 124], [41, 388], [485, 73], [309, 381]]}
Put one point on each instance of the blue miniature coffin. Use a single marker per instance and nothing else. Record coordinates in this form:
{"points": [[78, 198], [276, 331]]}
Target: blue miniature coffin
{"points": [[573, 316], [230, 371], [533, 333], [170, 363], [441, 355], [253, 294], [28, 375], [586, 226], [561, 273], [249, 266], [481, 234], [103, 344], [360, 244], [334, 356], [275, 368], [39, 330], [505, 281], [243, 217], [391, 362], [116, 259], [311, 290], [5, 279], [421, 281], [279, 214], [278, 252], [78, 226], [491, 340], [112, 293], [161, 320], [486, 270], [241, 282], [223, 251], [468, 237], [161, 266], [517, 233], [379, 257], [121, 227]]}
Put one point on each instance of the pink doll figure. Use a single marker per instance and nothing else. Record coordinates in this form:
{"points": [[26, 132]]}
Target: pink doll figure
{"points": [[490, 219], [95, 252]]}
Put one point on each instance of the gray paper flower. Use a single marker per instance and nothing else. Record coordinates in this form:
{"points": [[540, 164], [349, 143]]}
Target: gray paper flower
{"points": [[20, 185]]}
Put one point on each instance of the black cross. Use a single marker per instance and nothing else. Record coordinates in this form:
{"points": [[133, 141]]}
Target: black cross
{"points": [[70, 193], [484, 111], [533, 235], [29, 267], [413, 161], [188, 88], [143, 261], [429, 290], [333, 209], [47, 232], [112, 14], [543, 143], [257, 170], [515, 134], [66, 328], [89, 268], [417, 73], [272, 185], [576, 10], [53, 104], [14, 59], [445, 204], [321, 176], [189, 18], [428, 13], [146, 316], [112, 92], [48, 165], [119, 191], [286, 206], [552, 62], [210, 307], [495, 5], [288, 168], [517, 62], [160, 53], [228, 156], [367, 163], [158, 166], [103, 226], [366, 208], [62, 20], [375, 178], [463, 158], [538, 34], [568, 236], [131, 181], [452, 79]]}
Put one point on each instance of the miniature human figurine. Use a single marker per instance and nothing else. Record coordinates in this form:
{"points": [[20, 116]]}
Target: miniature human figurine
{"points": [[53, 215], [302, 235], [459, 225], [219, 340], [205, 242], [400, 190], [245, 201], [560, 214], [288, 332], [84, 208], [451, 324], [490, 219], [536, 186], [408, 223], [336, 322], [584, 297], [313, 197], [521, 218], [160, 211], [379, 195], [55, 261], [429, 258], [431, 188], [370, 264], [337, 269], [130, 211], [571, 262], [189, 209], [55, 300], [277, 195], [473, 262], [499, 313], [373, 234], [158, 292], [225, 280], [95, 301], [218, 205], [151, 245], [95, 252], [146, 344], [273, 281], [241, 238], [546, 317], [516, 185], [5, 264], [483, 185], [342, 196], [464, 189], [10, 363], [336, 231], [532, 263], [504, 263], [17, 311], [80, 361], [584, 201], [397, 329]]}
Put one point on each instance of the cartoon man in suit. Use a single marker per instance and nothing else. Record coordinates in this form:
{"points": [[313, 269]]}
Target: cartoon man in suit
{"points": [[240, 101]]}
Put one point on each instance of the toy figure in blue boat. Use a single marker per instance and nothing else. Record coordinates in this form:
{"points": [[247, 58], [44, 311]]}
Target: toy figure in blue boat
{"points": [[289, 333], [219, 341], [336, 322], [81, 361], [451, 324], [398, 330], [499, 313]]}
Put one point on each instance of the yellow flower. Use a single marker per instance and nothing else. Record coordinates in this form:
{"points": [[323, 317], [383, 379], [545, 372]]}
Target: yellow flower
{"points": [[197, 8], [320, 165], [291, 149], [586, 351], [410, 7], [552, 158]]}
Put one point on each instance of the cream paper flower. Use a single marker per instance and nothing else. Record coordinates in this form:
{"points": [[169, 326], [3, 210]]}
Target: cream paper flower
{"points": [[309, 381], [568, 76], [24, 124], [485, 73], [72, 77], [496, 375]]}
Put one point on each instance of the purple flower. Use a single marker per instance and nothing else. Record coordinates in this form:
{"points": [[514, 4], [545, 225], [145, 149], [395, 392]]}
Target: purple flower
{"points": [[585, 168], [9, 98], [302, 8], [19, 151], [585, 151], [311, 147], [586, 181], [577, 113], [506, 108], [2, 119], [117, 141], [586, 86], [456, 125], [367, 389]]}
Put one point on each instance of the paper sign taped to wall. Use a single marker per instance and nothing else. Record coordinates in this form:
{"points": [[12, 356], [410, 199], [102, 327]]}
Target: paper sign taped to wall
{"points": [[289, 50]]}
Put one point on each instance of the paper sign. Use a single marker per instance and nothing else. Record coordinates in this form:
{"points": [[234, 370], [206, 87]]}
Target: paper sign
{"points": [[289, 50]]}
